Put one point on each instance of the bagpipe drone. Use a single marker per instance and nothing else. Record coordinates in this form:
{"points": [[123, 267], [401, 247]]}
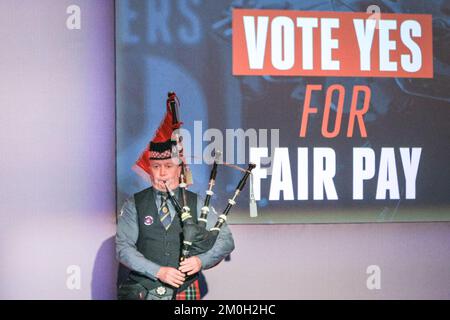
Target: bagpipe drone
{"points": [[196, 238]]}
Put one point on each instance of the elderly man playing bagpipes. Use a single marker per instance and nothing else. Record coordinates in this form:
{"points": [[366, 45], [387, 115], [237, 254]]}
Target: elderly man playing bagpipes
{"points": [[165, 234]]}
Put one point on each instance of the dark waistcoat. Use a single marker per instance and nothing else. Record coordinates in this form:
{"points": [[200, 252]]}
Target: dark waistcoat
{"points": [[154, 242]]}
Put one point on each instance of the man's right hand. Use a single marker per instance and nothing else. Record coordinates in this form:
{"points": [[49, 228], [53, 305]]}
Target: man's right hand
{"points": [[171, 276]]}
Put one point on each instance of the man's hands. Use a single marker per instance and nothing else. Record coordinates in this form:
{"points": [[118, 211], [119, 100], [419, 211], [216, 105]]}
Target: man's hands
{"points": [[171, 276], [176, 277], [190, 265]]}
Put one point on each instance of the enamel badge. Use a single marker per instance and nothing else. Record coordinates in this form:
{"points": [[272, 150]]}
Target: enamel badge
{"points": [[148, 220]]}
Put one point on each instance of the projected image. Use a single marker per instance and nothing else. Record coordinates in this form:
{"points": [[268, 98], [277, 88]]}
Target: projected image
{"points": [[340, 148]]}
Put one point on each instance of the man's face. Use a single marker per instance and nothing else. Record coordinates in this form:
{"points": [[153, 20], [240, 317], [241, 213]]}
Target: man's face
{"points": [[164, 170]]}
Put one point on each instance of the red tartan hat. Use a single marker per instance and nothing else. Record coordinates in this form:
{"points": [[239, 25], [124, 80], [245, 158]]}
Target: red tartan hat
{"points": [[164, 144]]}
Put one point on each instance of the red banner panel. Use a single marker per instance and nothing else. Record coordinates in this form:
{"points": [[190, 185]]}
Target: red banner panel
{"points": [[316, 43]]}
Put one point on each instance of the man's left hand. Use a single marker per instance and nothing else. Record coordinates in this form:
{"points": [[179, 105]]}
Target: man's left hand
{"points": [[190, 265]]}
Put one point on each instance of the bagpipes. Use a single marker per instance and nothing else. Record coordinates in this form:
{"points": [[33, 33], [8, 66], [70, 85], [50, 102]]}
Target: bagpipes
{"points": [[196, 238]]}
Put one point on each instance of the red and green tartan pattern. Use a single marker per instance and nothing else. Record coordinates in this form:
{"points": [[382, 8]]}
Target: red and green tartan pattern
{"points": [[191, 293]]}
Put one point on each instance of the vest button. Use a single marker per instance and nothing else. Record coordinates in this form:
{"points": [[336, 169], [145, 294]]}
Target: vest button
{"points": [[167, 254]]}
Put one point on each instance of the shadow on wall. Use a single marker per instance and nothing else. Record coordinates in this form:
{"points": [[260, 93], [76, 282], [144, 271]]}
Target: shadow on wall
{"points": [[104, 274]]}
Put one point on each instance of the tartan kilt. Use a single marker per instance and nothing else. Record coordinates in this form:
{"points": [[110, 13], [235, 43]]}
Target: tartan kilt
{"points": [[190, 293]]}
